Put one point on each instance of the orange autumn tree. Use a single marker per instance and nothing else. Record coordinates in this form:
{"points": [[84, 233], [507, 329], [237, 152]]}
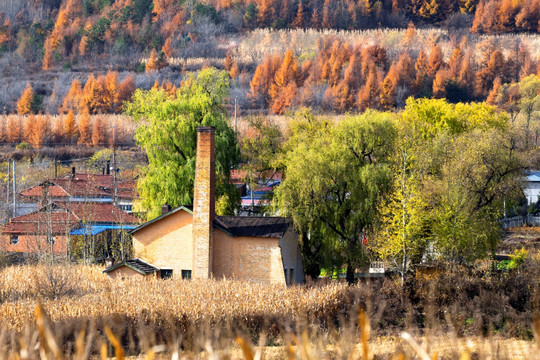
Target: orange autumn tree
{"points": [[262, 79], [25, 102], [69, 127], [99, 133], [85, 133], [73, 98], [38, 131], [368, 96], [286, 75], [126, 89]]}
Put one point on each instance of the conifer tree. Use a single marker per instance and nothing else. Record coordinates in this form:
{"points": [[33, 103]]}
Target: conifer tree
{"points": [[69, 127], [99, 134], [26, 101], [299, 21], [84, 126], [73, 98]]}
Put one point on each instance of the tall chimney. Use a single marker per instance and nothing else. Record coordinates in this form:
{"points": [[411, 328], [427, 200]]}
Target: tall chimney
{"points": [[203, 203]]}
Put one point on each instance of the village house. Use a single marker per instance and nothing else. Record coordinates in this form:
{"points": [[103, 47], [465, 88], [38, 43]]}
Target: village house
{"points": [[257, 192], [77, 187], [192, 242], [57, 227], [531, 186]]}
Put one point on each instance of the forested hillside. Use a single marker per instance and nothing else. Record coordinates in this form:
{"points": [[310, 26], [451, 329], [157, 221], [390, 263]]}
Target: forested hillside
{"points": [[76, 59]]}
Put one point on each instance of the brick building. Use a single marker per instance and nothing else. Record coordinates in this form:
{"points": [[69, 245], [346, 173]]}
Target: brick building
{"points": [[52, 227], [195, 243]]}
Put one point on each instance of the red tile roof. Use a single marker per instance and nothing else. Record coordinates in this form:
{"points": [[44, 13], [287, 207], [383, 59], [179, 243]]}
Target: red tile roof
{"points": [[60, 217], [84, 185], [240, 175], [98, 212]]}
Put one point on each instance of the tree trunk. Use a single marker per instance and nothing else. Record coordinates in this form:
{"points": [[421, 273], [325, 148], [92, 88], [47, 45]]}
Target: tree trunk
{"points": [[350, 273]]}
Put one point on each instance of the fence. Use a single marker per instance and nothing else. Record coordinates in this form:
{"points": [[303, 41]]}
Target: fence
{"points": [[520, 221]]}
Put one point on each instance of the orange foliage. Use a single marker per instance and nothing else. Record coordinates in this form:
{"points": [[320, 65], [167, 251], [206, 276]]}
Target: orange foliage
{"points": [[85, 134], [73, 97], [154, 62], [99, 133], [167, 48], [24, 104], [69, 127]]}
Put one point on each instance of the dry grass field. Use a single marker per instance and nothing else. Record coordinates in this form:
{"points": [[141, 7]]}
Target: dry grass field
{"points": [[67, 311]]}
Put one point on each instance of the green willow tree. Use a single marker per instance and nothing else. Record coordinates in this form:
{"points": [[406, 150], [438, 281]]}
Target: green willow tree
{"points": [[335, 177], [454, 166], [167, 131]]}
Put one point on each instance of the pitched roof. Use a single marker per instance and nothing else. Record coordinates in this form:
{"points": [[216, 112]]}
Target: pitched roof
{"points": [[189, 209], [98, 212], [84, 185], [254, 226], [136, 264], [533, 176], [240, 175], [56, 221], [61, 217], [251, 226]]}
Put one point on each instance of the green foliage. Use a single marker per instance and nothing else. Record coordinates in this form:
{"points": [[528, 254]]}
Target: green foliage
{"points": [[429, 117], [23, 146], [335, 177], [250, 16], [208, 11], [167, 132], [518, 258], [91, 7], [259, 152]]}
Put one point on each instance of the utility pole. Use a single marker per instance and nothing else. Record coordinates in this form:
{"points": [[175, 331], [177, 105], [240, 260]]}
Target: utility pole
{"points": [[115, 199], [55, 168], [14, 191], [7, 192], [235, 117]]}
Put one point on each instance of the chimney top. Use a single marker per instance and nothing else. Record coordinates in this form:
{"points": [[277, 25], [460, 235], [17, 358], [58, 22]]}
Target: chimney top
{"points": [[206, 129], [165, 209]]}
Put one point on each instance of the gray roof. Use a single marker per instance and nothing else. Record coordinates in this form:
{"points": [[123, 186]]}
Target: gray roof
{"points": [[251, 226], [136, 264]]}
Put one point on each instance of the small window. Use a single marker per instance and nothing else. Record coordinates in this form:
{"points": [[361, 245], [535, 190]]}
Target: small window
{"points": [[186, 274], [166, 273], [14, 239]]}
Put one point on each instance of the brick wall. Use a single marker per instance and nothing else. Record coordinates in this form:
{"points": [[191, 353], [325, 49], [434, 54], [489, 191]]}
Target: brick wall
{"points": [[125, 272], [167, 243], [36, 244], [203, 203], [248, 258]]}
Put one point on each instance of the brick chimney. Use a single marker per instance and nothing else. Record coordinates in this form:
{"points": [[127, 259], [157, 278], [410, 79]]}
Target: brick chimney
{"points": [[204, 203]]}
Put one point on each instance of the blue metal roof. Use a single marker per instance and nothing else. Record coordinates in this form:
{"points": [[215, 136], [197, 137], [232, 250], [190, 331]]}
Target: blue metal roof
{"points": [[97, 229], [533, 176]]}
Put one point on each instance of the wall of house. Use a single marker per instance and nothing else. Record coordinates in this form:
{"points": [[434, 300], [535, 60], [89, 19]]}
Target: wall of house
{"points": [[34, 244], [124, 272], [167, 243], [292, 257], [247, 258], [532, 192]]}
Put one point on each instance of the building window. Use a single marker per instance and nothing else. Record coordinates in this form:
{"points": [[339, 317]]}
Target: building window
{"points": [[166, 273], [126, 208], [14, 239], [186, 274]]}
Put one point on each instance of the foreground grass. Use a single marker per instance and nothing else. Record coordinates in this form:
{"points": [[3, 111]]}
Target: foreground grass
{"points": [[81, 312]]}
